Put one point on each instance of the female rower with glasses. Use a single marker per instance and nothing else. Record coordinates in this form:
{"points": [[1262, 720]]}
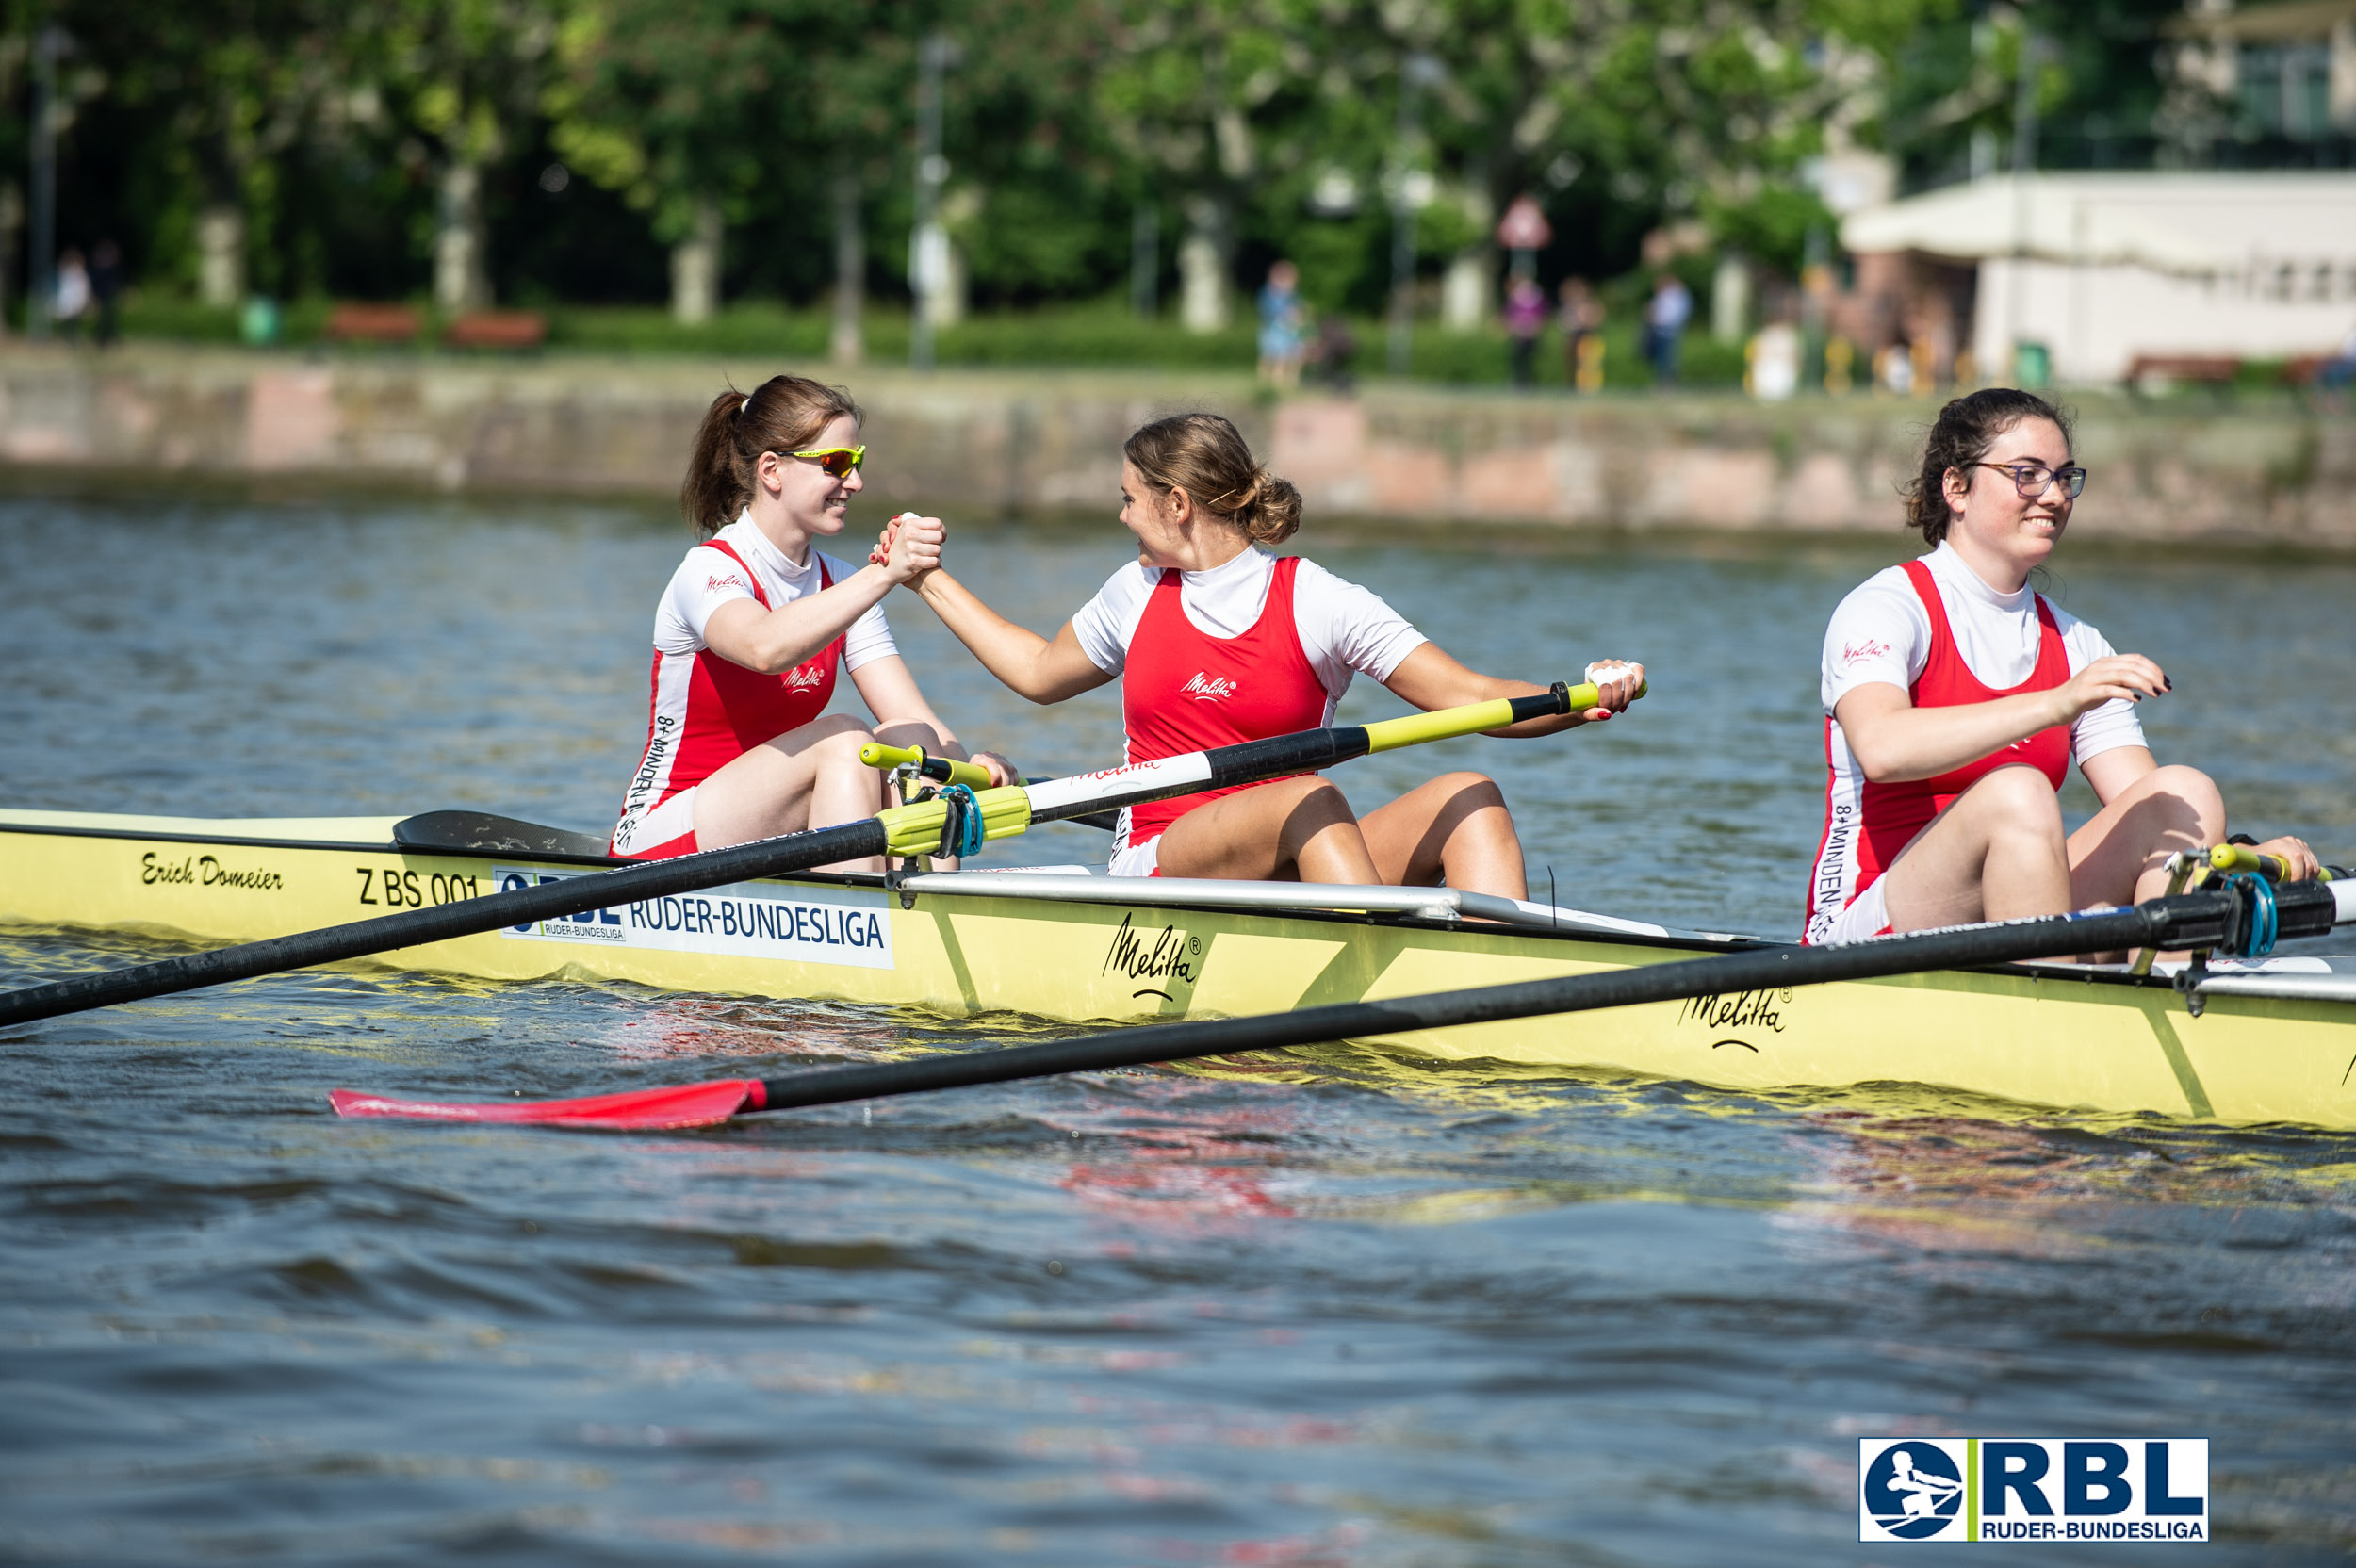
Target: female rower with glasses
{"points": [[1216, 641], [1955, 699], [753, 628]]}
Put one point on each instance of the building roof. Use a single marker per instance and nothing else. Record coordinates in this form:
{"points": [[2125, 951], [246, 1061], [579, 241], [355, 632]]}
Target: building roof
{"points": [[2281, 21], [2172, 223]]}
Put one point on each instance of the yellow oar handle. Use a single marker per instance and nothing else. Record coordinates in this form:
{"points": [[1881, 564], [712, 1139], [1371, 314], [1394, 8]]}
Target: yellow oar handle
{"points": [[942, 770], [1583, 697], [1471, 719], [2233, 858], [916, 830]]}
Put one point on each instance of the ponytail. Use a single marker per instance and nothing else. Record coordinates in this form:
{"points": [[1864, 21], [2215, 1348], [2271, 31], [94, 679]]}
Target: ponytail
{"points": [[781, 415]]}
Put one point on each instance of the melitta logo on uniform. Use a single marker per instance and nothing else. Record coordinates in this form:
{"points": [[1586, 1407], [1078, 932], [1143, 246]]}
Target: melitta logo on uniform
{"points": [[2032, 1489], [749, 920], [804, 678], [1204, 687], [1851, 652]]}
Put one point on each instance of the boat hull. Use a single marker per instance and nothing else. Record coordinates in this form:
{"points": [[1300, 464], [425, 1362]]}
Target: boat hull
{"points": [[2037, 1038]]}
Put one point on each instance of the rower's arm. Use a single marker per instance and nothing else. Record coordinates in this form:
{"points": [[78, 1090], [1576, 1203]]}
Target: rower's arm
{"points": [[1031, 665], [2111, 773], [1895, 741], [773, 641], [1430, 679]]}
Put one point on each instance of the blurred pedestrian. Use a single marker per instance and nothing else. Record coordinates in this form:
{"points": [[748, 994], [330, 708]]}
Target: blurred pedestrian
{"points": [[106, 285], [1771, 361], [1894, 369], [1582, 320], [1665, 314], [1336, 352], [1280, 323], [2335, 375], [1525, 319], [72, 299]]}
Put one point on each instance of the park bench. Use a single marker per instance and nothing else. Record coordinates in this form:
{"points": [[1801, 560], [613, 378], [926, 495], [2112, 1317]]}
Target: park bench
{"points": [[2146, 371], [497, 329], [373, 323]]}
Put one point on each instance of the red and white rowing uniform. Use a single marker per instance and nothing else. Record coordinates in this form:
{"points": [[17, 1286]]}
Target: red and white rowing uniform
{"points": [[1256, 647], [1934, 628], [705, 711]]}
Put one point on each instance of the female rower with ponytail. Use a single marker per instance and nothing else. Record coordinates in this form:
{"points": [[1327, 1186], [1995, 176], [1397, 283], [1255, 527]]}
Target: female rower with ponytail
{"points": [[1216, 640], [754, 627], [1955, 699]]}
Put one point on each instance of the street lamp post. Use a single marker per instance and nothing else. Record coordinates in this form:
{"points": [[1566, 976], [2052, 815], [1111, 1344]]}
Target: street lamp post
{"points": [[1411, 188], [2025, 115], [40, 278], [928, 242]]}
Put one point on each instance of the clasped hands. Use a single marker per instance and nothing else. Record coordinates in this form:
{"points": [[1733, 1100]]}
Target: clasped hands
{"points": [[909, 547]]}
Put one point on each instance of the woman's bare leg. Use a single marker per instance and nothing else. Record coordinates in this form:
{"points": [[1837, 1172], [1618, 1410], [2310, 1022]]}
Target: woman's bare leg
{"points": [[1996, 853], [2120, 856], [1293, 828], [1456, 829], [806, 778]]}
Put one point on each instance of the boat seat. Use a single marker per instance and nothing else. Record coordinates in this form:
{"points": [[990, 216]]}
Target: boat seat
{"points": [[481, 833]]}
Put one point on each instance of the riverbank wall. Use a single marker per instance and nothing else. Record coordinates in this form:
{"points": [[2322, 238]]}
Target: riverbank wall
{"points": [[1009, 442]]}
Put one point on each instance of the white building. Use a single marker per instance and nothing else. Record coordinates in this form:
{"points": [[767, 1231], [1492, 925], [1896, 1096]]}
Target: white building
{"points": [[2101, 268]]}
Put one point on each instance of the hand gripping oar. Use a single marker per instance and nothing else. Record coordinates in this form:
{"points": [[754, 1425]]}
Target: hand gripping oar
{"points": [[922, 827], [2224, 920]]}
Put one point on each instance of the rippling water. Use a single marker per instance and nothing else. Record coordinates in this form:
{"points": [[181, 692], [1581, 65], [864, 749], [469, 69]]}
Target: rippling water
{"points": [[1306, 1312]]}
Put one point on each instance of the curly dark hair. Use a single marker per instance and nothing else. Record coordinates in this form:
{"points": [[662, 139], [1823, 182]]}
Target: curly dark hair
{"points": [[1966, 429]]}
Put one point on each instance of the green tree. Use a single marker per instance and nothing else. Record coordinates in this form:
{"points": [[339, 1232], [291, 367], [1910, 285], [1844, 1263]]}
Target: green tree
{"points": [[687, 109], [455, 85]]}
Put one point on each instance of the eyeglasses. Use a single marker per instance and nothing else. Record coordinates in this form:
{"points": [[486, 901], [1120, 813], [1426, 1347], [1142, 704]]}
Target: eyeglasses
{"points": [[2030, 479], [836, 461]]}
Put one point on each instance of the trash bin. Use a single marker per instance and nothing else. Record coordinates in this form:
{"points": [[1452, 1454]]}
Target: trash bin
{"points": [[2032, 366]]}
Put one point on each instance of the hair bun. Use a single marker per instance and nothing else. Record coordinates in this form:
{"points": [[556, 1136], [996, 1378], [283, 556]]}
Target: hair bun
{"points": [[1204, 455]]}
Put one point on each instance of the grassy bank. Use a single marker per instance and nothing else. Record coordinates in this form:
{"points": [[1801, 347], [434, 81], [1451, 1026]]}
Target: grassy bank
{"points": [[1100, 335]]}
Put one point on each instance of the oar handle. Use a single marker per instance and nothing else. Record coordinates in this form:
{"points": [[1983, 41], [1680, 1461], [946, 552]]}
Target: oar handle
{"points": [[942, 770], [2228, 858], [1443, 723]]}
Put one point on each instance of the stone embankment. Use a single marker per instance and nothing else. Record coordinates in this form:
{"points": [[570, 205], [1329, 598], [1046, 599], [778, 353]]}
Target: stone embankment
{"points": [[1035, 440]]}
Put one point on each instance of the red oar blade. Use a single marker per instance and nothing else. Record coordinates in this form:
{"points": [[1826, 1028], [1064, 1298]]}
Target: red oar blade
{"points": [[680, 1106]]}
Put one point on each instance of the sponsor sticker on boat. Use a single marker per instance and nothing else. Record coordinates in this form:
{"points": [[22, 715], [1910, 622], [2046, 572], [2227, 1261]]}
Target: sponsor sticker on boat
{"points": [[748, 919], [2078, 1489]]}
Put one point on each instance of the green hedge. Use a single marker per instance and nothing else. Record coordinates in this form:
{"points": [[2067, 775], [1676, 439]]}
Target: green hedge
{"points": [[1101, 335]]}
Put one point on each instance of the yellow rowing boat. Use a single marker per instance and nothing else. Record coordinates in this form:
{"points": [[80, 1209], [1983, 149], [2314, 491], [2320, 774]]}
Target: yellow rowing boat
{"points": [[2267, 1042]]}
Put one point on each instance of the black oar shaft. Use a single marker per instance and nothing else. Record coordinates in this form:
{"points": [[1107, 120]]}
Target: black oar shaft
{"points": [[2191, 919], [472, 917], [1237, 765]]}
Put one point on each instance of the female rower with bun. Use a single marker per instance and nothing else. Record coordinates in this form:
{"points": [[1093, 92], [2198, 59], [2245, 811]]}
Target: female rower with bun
{"points": [[753, 628], [1218, 641], [1955, 699]]}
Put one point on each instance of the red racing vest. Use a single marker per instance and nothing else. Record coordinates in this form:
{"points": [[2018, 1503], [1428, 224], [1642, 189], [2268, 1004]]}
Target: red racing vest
{"points": [[1183, 690], [1896, 812], [728, 708]]}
